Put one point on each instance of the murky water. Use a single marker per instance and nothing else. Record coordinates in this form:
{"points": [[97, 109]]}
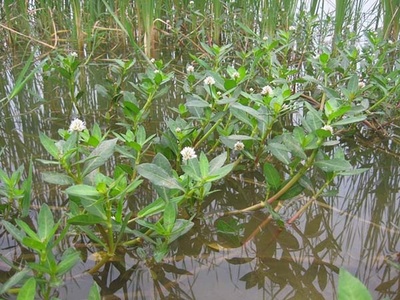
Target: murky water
{"points": [[355, 230]]}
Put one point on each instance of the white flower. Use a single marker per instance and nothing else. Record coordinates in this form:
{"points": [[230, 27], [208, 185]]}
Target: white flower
{"points": [[74, 54], [178, 130], [77, 125], [251, 90], [156, 71], [152, 60], [265, 38], [188, 153], [292, 28], [209, 80], [191, 2], [390, 42], [361, 84], [266, 90], [190, 69], [328, 128], [236, 74], [239, 146]]}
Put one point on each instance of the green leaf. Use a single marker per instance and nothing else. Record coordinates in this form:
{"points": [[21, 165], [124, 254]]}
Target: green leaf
{"points": [[333, 165], [204, 165], [350, 120], [45, 223], [272, 176], [13, 281], [293, 146], [158, 176], [33, 244], [94, 293], [280, 152], [68, 261], [86, 220], [100, 155], [350, 288], [220, 173], [57, 178], [295, 190], [217, 162], [25, 227], [83, 191], [28, 290], [49, 145], [14, 231], [169, 216]]}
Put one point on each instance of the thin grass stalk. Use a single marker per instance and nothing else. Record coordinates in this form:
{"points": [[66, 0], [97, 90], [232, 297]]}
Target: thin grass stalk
{"points": [[391, 19], [77, 28], [128, 30], [217, 22], [342, 9]]}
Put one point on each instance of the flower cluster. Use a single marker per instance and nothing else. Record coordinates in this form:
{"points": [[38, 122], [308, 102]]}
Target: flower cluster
{"points": [[239, 146], [266, 90], [190, 69], [77, 125], [328, 128], [188, 153], [209, 80]]}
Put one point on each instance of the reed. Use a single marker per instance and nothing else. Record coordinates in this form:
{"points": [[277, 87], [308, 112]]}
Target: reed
{"points": [[391, 19]]}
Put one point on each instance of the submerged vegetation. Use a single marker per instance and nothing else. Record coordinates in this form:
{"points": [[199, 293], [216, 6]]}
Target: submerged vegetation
{"points": [[271, 86]]}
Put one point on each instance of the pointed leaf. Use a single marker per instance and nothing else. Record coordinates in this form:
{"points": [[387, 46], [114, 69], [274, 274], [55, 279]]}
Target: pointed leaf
{"points": [[350, 288], [28, 290], [333, 165], [49, 145], [158, 176], [45, 222], [100, 155]]}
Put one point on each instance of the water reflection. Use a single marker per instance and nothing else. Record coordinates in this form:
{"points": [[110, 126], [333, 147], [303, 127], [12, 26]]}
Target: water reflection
{"points": [[261, 261]]}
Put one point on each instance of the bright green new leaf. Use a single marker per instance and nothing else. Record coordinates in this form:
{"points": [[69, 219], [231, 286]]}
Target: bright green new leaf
{"points": [[94, 293], [83, 191], [28, 290], [350, 288], [14, 280]]}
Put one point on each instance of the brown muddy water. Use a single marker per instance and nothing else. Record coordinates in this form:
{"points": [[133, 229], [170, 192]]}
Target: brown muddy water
{"points": [[358, 229]]}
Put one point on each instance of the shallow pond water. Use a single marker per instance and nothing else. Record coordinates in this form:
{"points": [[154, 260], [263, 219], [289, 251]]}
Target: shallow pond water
{"points": [[358, 229]]}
